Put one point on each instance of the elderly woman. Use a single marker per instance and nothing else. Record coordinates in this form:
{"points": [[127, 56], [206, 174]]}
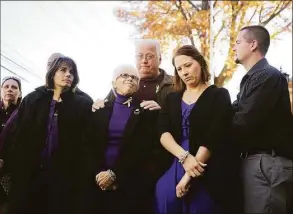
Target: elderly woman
{"points": [[124, 138], [10, 100], [48, 149], [193, 128]]}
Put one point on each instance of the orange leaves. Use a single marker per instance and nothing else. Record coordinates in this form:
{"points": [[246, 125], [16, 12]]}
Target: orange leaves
{"points": [[178, 21]]}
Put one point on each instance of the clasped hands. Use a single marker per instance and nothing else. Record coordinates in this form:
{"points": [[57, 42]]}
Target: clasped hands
{"points": [[193, 168], [104, 181]]}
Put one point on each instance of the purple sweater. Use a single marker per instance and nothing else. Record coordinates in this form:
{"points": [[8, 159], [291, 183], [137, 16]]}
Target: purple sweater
{"points": [[120, 115]]}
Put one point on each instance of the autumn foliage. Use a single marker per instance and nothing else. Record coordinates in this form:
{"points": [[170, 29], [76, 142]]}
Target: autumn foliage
{"points": [[203, 24]]}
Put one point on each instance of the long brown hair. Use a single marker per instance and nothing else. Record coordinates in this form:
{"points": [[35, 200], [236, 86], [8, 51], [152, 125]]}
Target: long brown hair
{"points": [[191, 51]]}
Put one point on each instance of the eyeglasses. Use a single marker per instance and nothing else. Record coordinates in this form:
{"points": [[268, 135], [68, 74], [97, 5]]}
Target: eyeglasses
{"points": [[147, 57], [126, 76]]}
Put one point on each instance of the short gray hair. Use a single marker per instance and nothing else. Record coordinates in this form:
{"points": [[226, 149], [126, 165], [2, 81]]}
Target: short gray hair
{"points": [[124, 68], [152, 42]]}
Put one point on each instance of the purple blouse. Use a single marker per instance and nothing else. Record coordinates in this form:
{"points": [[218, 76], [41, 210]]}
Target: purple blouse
{"points": [[52, 136], [120, 115]]}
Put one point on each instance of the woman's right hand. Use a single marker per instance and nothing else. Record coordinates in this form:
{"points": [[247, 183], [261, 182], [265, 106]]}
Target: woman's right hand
{"points": [[193, 167]]}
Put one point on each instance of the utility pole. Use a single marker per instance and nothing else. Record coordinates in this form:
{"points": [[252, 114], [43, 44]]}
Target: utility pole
{"points": [[212, 72]]}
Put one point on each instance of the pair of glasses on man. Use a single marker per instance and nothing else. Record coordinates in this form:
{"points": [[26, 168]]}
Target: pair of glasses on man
{"points": [[147, 57], [126, 76]]}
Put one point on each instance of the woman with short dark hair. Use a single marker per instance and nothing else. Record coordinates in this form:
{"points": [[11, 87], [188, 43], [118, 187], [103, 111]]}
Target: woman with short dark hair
{"points": [[48, 148]]}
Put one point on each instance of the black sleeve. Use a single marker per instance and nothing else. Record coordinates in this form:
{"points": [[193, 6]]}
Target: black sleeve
{"points": [[163, 124], [262, 95], [17, 130], [220, 123], [90, 141], [137, 153], [6, 132]]}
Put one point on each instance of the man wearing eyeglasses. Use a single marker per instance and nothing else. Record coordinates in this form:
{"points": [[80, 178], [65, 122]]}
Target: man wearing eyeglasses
{"points": [[155, 83]]}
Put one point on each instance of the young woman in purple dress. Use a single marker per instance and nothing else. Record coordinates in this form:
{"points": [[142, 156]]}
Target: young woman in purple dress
{"points": [[193, 129]]}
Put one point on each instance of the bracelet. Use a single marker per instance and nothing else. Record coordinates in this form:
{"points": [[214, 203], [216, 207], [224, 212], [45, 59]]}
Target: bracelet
{"points": [[183, 157], [112, 174]]}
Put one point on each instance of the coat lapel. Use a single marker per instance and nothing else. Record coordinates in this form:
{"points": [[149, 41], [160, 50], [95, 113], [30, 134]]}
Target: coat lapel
{"points": [[132, 122]]}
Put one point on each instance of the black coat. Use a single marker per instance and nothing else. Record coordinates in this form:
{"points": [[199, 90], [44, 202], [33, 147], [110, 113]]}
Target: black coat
{"points": [[138, 143], [210, 123], [5, 114], [29, 140]]}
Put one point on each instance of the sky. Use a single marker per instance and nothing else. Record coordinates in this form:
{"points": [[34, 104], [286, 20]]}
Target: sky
{"points": [[89, 33]]}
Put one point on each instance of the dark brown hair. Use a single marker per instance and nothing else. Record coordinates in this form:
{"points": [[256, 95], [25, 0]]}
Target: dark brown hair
{"points": [[55, 65], [191, 51], [260, 34]]}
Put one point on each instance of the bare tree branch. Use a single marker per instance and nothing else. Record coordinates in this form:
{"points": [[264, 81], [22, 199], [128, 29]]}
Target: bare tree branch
{"points": [[193, 5], [215, 3], [274, 35], [218, 33], [181, 10], [285, 5], [215, 14], [260, 14], [168, 11], [253, 14], [186, 19]]}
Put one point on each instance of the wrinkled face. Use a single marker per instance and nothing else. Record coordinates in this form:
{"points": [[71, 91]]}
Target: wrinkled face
{"points": [[63, 77], [126, 83], [243, 48], [147, 61], [10, 91], [188, 69]]}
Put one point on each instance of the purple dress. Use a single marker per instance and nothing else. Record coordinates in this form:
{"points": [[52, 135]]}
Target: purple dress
{"points": [[197, 200]]}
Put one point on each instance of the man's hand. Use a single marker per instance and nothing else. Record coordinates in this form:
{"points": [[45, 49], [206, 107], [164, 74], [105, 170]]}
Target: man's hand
{"points": [[98, 104], [150, 104]]}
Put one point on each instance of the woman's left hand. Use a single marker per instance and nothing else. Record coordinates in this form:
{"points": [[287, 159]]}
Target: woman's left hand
{"points": [[183, 186], [104, 180]]}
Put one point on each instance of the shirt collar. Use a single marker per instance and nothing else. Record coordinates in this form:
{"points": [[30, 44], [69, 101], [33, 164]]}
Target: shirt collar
{"points": [[259, 65]]}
